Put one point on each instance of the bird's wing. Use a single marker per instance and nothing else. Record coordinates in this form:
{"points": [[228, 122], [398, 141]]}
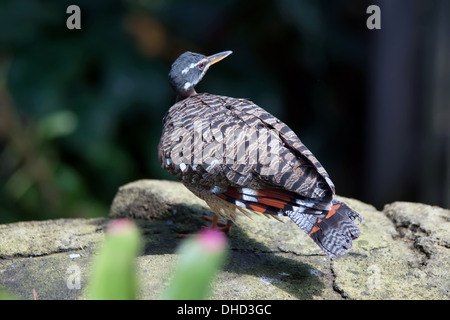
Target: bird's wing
{"points": [[306, 169], [224, 142]]}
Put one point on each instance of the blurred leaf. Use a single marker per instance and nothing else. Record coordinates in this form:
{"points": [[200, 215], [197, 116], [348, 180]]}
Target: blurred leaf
{"points": [[18, 184], [57, 124], [114, 272], [199, 260]]}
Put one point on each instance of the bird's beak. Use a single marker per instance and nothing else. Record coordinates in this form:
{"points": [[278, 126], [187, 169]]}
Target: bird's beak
{"points": [[217, 57]]}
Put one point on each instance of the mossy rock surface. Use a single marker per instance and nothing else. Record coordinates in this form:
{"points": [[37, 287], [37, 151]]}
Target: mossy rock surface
{"points": [[402, 253]]}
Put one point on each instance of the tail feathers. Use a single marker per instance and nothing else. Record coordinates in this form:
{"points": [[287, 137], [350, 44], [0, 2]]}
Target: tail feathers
{"points": [[333, 231], [273, 201], [331, 227]]}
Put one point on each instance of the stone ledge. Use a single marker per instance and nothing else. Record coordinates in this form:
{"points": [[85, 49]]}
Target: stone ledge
{"points": [[402, 253]]}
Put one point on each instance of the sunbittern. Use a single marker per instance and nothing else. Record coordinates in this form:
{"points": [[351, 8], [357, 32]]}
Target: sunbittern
{"points": [[239, 159]]}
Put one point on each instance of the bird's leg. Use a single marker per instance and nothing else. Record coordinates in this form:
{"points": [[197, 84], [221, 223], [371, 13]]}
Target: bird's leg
{"points": [[225, 227], [215, 224], [214, 220]]}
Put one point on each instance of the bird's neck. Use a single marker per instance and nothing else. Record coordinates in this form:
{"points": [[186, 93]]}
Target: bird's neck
{"points": [[186, 94]]}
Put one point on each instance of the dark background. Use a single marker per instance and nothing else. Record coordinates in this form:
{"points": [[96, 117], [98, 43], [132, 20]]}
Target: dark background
{"points": [[81, 110]]}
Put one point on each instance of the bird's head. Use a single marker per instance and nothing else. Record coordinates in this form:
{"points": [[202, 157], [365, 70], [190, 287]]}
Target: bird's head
{"points": [[189, 69]]}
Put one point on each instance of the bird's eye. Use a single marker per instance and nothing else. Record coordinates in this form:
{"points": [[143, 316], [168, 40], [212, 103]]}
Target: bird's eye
{"points": [[201, 65]]}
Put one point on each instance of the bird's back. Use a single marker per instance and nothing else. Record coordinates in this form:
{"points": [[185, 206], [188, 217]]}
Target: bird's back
{"points": [[220, 141]]}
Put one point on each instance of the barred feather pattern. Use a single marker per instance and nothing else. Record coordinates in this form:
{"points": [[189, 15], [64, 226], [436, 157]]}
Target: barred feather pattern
{"points": [[231, 151]]}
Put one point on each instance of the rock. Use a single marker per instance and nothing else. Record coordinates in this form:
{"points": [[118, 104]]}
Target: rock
{"points": [[402, 253], [39, 255], [152, 199], [387, 265], [32, 239]]}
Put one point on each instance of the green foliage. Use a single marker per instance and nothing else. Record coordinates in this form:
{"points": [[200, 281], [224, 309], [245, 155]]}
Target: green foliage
{"points": [[199, 259], [114, 272]]}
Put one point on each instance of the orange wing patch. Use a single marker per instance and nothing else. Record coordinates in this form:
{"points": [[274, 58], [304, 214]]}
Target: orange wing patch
{"points": [[333, 210], [273, 193], [314, 229], [258, 207], [272, 202]]}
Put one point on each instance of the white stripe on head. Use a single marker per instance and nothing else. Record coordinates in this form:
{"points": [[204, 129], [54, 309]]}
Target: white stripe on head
{"points": [[185, 70], [187, 85], [191, 66]]}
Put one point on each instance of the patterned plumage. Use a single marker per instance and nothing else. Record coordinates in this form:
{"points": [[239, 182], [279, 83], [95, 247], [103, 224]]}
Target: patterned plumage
{"points": [[239, 159]]}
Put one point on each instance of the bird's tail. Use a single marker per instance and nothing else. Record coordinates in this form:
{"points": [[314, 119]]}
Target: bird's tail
{"points": [[333, 230]]}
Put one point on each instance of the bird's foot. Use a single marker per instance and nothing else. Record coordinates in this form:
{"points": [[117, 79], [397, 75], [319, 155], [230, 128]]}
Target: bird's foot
{"points": [[225, 227], [215, 224]]}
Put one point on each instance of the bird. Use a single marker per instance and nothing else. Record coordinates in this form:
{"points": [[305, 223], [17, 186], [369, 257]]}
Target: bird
{"points": [[240, 159]]}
